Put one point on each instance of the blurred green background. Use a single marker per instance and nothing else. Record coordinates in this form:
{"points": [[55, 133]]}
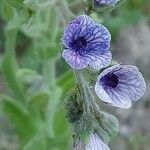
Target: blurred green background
{"points": [[34, 79]]}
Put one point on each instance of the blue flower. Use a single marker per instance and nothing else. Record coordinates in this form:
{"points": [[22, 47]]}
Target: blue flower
{"points": [[119, 85], [86, 43], [94, 143], [105, 2]]}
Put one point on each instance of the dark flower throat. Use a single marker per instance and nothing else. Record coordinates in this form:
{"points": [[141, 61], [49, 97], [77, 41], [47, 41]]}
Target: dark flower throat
{"points": [[79, 43], [109, 80]]}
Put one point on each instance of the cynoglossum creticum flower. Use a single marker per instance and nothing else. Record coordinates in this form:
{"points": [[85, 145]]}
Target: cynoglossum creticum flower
{"points": [[94, 143], [105, 2], [86, 43], [119, 85]]}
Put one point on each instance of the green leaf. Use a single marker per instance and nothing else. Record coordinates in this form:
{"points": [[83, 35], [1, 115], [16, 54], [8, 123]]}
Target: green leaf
{"points": [[9, 65], [38, 104], [20, 117], [35, 31], [21, 17], [6, 11], [9, 72], [64, 77], [15, 3], [1, 59], [66, 81], [60, 119], [32, 4], [27, 76], [38, 142], [53, 23], [39, 99], [29, 59], [52, 108]]}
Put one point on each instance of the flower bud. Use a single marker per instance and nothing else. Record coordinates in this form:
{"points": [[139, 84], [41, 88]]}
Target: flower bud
{"points": [[94, 143], [105, 3]]}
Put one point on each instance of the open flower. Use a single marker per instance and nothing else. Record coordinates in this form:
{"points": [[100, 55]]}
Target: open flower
{"points": [[119, 85], [94, 143], [86, 43], [105, 2]]}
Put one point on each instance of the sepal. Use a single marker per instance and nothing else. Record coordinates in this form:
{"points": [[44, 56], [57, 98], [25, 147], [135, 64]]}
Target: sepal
{"points": [[107, 127]]}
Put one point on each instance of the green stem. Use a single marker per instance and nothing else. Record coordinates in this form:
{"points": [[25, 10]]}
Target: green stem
{"points": [[78, 6], [55, 94], [49, 73], [10, 38], [89, 7], [66, 14], [81, 86], [90, 102]]}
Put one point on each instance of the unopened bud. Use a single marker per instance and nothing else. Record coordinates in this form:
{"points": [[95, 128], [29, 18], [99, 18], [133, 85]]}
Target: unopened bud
{"points": [[94, 143]]}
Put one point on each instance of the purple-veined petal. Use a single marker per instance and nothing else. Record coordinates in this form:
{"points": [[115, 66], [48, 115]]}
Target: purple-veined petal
{"points": [[99, 34], [112, 97], [120, 99], [79, 145], [101, 60], [69, 32], [83, 20], [96, 143], [101, 93], [77, 26], [74, 60], [131, 82]]}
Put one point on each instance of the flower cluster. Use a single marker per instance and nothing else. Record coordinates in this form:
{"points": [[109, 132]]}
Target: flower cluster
{"points": [[87, 44]]}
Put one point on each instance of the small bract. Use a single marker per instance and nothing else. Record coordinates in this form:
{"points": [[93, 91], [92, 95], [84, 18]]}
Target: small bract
{"points": [[119, 85], [86, 43], [94, 143], [105, 2]]}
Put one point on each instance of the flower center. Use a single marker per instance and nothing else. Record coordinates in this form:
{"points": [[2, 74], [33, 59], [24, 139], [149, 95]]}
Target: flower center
{"points": [[110, 80], [79, 43]]}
